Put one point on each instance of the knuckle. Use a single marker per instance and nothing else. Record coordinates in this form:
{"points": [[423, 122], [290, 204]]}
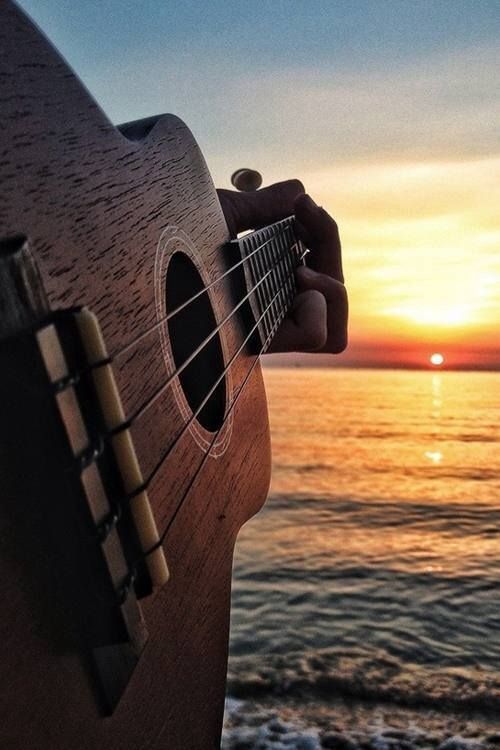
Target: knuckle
{"points": [[330, 221], [332, 286], [296, 186], [335, 291], [339, 294], [332, 229]]}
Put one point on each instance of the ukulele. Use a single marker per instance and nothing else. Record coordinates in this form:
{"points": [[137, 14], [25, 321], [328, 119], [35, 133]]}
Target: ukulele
{"points": [[134, 431]]}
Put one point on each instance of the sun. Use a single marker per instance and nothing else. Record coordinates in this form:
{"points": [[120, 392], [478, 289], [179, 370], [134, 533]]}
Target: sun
{"points": [[436, 359]]}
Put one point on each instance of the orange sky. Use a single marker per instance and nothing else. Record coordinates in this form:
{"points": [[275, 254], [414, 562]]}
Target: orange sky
{"points": [[407, 160], [422, 257]]}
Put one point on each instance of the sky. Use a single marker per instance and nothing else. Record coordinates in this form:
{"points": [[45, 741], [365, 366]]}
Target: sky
{"points": [[387, 110]]}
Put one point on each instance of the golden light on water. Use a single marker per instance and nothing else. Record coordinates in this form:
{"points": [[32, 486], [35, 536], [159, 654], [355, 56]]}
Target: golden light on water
{"points": [[435, 456], [436, 359]]}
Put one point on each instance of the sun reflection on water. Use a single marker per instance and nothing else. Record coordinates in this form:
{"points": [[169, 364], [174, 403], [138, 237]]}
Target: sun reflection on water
{"points": [[435, 456], [361, 463]]}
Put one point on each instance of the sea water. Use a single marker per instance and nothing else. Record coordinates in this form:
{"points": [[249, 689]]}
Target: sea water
{"points": [[373, 572]]}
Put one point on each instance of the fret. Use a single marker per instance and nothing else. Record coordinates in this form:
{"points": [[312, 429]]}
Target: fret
{"points": [[282, 265], [276, 251], [285, 266], [259, 298], [289, 264], [267, 264], [263, 267], [272, 253]]}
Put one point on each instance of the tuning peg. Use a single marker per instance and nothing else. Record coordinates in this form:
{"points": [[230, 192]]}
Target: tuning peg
{"points": [[246, 180]]}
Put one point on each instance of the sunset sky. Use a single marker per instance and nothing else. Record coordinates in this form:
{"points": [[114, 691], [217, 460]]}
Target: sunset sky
{"points": [[388, 110]]}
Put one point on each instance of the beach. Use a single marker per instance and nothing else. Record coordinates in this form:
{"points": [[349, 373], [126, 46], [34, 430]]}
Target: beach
{"points": [[307, 724], [365, 607]]}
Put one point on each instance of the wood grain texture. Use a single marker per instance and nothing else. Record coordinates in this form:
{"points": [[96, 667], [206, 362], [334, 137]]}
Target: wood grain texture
{"points": [[23, 302], [97, 207]]}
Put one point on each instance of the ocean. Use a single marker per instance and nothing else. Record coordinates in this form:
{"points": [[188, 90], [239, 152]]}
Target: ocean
{"points": [[372, 575]]}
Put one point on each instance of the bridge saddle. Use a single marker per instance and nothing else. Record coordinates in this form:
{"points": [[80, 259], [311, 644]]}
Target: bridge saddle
{"points": [[117, 509]]}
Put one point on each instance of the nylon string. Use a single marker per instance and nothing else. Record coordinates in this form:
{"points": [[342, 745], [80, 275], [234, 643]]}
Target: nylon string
{"points": [[120, 352], [228, 412], [219, 379], [145, 406]]}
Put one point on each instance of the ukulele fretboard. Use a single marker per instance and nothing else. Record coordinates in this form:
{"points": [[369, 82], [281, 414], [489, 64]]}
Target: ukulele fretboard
{"points": [[272, 254]]}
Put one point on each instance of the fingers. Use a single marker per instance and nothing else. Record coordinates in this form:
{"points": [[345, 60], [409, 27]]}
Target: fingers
{"points": [[305, 327], [320, 234], [318, 318], [258, 208], [336, 314]]}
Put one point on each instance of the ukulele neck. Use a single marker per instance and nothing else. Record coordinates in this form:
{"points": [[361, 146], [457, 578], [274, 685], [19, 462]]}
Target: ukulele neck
{"points": [[270, 257]]}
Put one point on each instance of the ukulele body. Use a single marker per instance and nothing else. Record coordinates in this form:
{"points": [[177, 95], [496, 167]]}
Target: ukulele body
{"points": [[104, 214]]}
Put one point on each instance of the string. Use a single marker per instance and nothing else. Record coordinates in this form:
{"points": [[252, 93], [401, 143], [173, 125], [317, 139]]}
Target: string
{"points": [[216, 383], [145, 406], [207, 453], [75, 377], [228, 412], [89, 454], [161, 321]]}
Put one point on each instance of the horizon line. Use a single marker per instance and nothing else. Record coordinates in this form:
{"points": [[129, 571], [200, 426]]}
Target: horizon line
{"points": [[392, 366]]}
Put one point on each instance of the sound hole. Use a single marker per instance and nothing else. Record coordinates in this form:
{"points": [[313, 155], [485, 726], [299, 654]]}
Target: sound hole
{"points": [[187, 330]]}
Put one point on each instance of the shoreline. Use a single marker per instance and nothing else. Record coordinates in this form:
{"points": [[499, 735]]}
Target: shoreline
{"points": [[339, 724]]}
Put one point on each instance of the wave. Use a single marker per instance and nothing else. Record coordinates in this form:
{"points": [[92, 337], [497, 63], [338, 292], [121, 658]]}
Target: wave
{"points": [[374, 512], [347, 674], [418, 434], [347, 569], [431, 471]]}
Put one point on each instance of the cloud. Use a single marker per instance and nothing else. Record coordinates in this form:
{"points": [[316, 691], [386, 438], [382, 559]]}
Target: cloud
{"points": [[288, 119], [421, 244], [441, 108]]}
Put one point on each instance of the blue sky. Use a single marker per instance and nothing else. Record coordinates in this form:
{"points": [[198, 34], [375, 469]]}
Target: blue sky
{"points": [[254, 78], [341, 32]]}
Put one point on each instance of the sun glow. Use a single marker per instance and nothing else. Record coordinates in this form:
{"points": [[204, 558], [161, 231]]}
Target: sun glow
{"points": [[436, 359], [437, 315], [421, 258]]}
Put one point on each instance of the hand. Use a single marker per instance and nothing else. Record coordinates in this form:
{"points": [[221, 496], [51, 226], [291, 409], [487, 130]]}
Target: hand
{"points": [[317, 320]]}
